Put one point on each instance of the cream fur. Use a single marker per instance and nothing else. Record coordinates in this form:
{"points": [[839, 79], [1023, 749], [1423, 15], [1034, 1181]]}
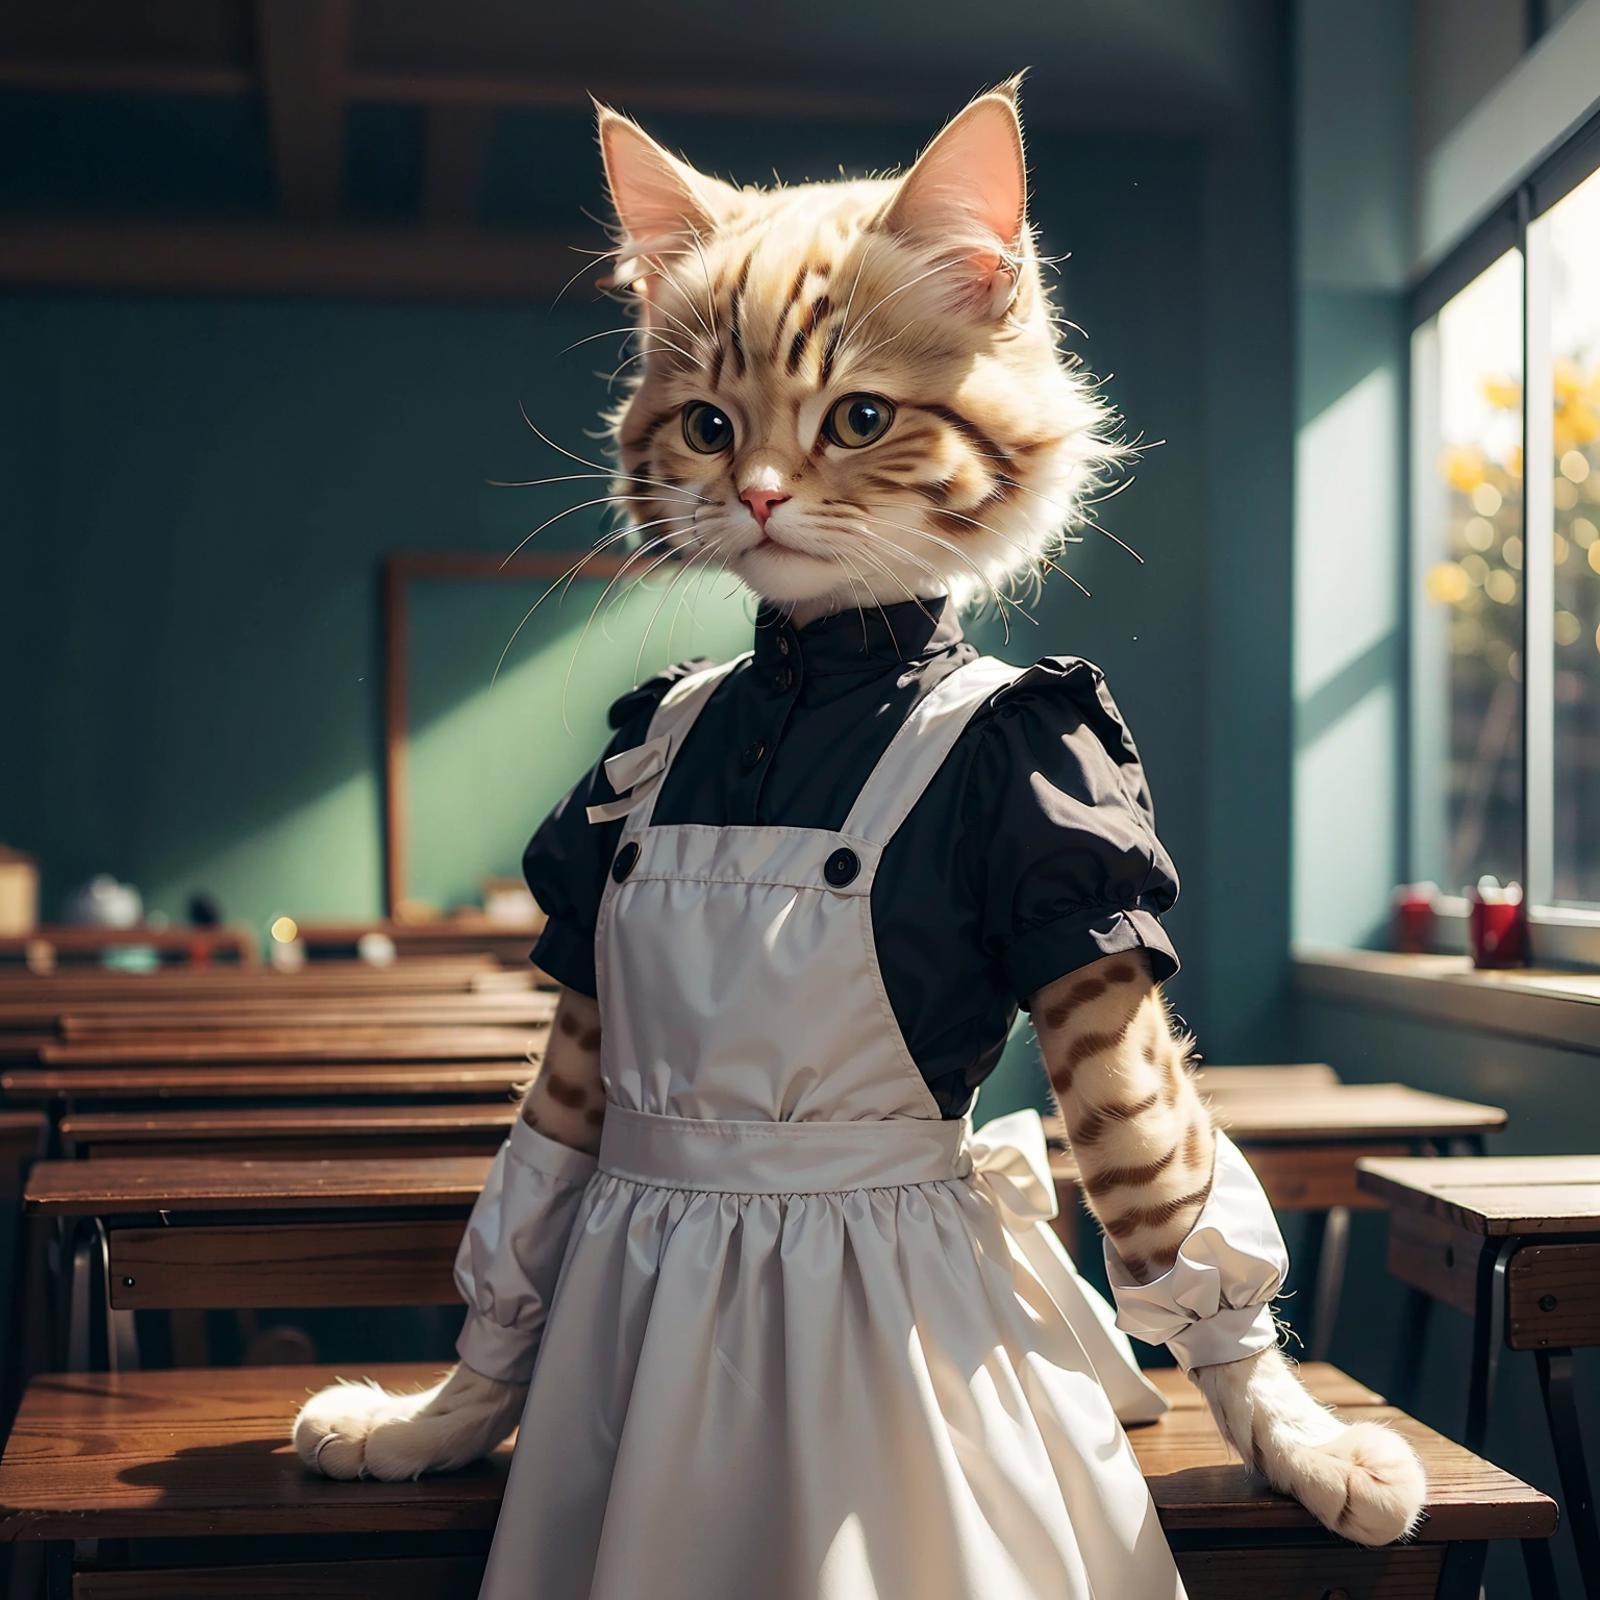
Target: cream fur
{"points": [[359, 1430], [1361, 1480], [772, 304]]}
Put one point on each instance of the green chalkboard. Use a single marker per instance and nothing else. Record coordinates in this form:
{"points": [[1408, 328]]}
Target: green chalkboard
{"points": [[488, 754]]}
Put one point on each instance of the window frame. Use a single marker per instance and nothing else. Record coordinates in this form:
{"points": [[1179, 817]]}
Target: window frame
{"points": [[1565, 935]]}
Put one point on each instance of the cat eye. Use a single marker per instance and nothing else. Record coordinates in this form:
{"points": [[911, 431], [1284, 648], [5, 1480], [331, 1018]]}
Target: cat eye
{"points": [[857, 420], [705, 428]]}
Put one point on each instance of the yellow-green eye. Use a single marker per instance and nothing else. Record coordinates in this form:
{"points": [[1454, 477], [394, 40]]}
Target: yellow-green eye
{"points": [[705, 428], [858, 420]]}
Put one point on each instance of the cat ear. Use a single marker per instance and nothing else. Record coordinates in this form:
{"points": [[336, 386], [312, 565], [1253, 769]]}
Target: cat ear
{"points": [[660, 201], [970, 187]]}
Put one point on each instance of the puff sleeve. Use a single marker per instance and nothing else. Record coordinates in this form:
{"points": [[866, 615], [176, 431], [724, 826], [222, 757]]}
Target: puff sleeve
{"points": [[1071, 868], [511, 1253], [1213, 1304], [566, 861]]}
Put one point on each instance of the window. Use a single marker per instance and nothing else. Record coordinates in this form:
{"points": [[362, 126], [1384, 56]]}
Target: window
{"points": [[1573, 228], [1467, 528], [1504, 711]]}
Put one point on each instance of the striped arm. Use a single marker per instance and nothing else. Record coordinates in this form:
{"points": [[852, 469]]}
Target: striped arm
{"points": [[1140, 1133], [566, 1101]]}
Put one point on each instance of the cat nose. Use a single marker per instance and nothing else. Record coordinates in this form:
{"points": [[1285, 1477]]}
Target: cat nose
{"points": [[761, 502]]}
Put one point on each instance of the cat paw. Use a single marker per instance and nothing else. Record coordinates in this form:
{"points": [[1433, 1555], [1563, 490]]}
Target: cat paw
{"points": [[359, 1430], [1360, 1480], [1365, 1484]]}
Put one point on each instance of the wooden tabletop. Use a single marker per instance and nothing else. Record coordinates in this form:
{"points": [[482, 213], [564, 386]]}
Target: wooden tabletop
{"points": [[402, 1043], [77, 940], [232, 1122], [449, 974], [132, 1186], [118, 1019], [301, 1081], [1349, 1112], [188, 1453], [1493, 1195]]}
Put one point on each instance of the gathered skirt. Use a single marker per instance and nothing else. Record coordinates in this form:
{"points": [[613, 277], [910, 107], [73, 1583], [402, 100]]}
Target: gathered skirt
{"points": [[871, 1394]]}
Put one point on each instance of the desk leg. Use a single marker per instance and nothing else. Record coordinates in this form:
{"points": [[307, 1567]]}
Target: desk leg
{"points": [[1566, 1434], [1462, 1577], [1330, 1280], [1488, 1337], [1415, 1317], [78, 1244], [1306, 1271], [1540, 1565]]}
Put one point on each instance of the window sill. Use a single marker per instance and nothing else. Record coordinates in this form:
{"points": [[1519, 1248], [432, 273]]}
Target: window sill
{"points": [[1553, 1007]]}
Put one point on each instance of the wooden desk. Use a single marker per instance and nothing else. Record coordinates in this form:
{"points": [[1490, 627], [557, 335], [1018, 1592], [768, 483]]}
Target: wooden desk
{"points": [[212, 1234], [63, 1088], [186, 1454], [1305, 1138], [283, 1132], [297, 1046], [1514, 1242], [43, 949], [465, 932], [113, 1020]]}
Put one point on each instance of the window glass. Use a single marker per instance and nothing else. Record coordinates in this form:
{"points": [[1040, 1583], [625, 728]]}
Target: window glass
{"points": [[1574, 312], [1467, 617]]}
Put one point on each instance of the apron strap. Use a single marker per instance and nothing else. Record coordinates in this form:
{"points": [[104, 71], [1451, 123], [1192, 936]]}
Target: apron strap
{"points": [[637, 774], [920, 748]]}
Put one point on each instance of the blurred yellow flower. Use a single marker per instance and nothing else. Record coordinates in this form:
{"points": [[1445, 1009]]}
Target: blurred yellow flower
{"points": [[1500, 587], [1504, 394], [1461, 467], [1448, 583]]}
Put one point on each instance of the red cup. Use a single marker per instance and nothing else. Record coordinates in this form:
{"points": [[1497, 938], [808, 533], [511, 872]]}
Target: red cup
{"points": [[1413, 918], [1497, 927]]}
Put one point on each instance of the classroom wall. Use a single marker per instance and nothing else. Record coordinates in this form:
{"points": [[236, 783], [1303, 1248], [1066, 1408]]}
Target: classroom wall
{"points": [[1357, 115], [198, 494]]}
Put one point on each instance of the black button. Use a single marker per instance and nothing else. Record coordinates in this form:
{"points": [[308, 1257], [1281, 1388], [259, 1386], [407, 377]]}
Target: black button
{"points": [[753, 754], [783, 644], [841, 868], [782, 680], [624, 862]]}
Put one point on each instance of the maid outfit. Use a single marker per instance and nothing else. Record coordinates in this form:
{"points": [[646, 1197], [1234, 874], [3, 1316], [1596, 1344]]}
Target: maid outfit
{"points": [[800, 1331]]}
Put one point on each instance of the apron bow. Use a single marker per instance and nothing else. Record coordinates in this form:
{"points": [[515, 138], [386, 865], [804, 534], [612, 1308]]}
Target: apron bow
{"points": [[631, 774], [1011, 1156]]}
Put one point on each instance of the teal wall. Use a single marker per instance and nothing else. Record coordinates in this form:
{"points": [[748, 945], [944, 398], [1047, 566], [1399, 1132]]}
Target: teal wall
{"points": [[199, 493]]}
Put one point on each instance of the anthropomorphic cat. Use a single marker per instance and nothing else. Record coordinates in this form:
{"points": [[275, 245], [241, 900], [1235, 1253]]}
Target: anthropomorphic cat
{"points": [[799, 1330]]}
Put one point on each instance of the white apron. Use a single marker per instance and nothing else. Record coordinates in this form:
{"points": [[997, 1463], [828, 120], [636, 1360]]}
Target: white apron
{"points": [[810, 1339]]}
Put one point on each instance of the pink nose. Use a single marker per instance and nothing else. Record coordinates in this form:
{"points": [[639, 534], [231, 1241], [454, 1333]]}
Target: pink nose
{"points": [[761, 502]]}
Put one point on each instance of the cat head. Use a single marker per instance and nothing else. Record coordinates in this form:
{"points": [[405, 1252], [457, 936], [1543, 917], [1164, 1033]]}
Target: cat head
{"points": [[849, 391]]}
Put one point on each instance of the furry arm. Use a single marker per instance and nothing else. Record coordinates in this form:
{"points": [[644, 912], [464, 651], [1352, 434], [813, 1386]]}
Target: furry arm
{"points": [[511, 1252], [1193, 1252], [506, 1271]]}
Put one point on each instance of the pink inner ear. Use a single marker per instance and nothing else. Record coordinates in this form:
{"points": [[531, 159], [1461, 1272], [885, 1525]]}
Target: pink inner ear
{"points": [[971, 174], [652, 192]]}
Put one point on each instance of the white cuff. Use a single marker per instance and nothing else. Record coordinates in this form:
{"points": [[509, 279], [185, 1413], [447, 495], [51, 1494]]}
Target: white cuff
{"points": [[511, 1254], [1211, 1306]]}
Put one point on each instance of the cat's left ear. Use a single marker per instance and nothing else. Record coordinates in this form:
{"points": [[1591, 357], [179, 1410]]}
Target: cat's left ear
{"points": [[968, 192]]}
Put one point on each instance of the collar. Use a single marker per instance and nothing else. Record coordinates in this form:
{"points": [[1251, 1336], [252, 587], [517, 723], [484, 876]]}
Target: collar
{"points": [[870, 638]]}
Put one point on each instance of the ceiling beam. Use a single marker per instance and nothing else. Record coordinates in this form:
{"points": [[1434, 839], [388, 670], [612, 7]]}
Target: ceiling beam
{"points": [[301, 46], [440, 263], [455, 141]]}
